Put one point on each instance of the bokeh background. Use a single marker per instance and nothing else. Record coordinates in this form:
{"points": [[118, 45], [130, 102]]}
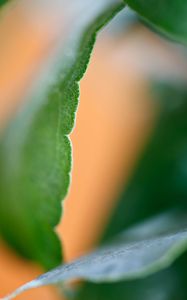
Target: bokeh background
{"points": [[115, 117]]}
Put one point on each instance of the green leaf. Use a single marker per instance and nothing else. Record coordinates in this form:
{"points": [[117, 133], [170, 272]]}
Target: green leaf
{"points": [[2, 2], [35, 151], [168, 16], [135, 253]]}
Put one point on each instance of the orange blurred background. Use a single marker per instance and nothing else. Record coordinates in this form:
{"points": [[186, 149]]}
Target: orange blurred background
{"points": [[114, 119]]}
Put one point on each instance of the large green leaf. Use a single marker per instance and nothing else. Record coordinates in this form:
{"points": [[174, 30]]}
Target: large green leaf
{"points": [[135, 253], [168, 16], [35, 151]]}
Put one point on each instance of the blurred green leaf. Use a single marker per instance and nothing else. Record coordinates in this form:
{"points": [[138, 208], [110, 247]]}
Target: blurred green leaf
{"points": [[35, 151], [137, 252], [168, 16], [3, 2]]}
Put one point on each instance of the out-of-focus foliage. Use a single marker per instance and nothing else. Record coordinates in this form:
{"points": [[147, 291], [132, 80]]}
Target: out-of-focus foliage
{"points": [[3, 2], [35, 151], [168, 16], [159, 179], [158, 184]]}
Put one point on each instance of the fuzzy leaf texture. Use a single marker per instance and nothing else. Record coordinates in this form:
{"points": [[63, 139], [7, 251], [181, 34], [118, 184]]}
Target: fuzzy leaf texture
{"points": [[135, 253], [168, 16], [35, 151]]}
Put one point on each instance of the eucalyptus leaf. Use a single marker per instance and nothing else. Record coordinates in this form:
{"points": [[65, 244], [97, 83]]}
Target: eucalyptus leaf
{"points": [[168, 16], [35, 150], [135, 253]]}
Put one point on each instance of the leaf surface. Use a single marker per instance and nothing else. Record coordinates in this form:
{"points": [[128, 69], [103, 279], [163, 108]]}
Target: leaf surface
{"points": [[3, 2], [165, 285], [35, 150], [168, 16], [135, 253]]}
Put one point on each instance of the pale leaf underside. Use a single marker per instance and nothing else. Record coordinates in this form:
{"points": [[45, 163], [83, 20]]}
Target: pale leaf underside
{"points": [[136, 253]]}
